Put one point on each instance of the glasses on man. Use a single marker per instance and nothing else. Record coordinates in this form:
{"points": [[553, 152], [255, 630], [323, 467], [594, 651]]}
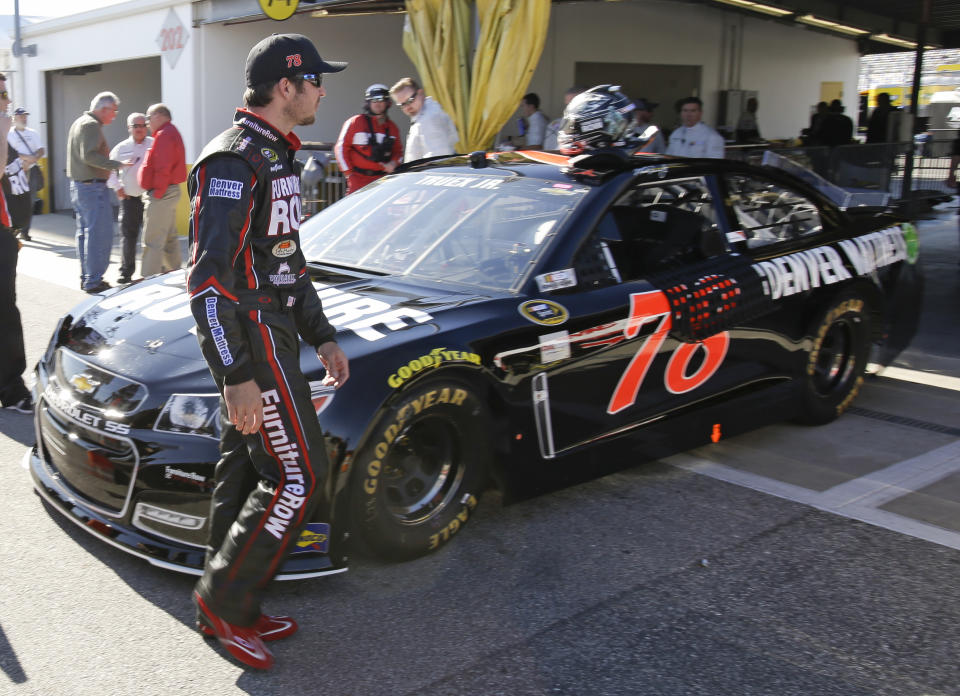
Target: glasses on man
{"points": [[377, 100], [407, 102], [139, 125], [315, 79]]}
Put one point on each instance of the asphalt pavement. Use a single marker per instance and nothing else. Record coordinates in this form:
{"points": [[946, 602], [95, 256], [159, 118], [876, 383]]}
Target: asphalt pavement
{"points": [[677, 577]]}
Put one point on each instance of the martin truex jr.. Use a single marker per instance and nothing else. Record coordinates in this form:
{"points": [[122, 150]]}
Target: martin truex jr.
{"points": [[517, 320]]}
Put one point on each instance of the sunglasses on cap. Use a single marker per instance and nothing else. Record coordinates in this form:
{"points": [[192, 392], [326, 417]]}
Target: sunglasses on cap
{"points": [[315, 79], [4, 94], [407, 102]]}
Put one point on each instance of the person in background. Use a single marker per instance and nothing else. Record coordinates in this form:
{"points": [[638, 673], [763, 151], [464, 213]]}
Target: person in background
{"points": [[553, 128], [533, 122], [14, 394], [884, 123], [835, 128], [133, 149], [254, 302], [432, 131], [645, 135], [694, 138], [88, 167], [748, 131], [163, 170], [29, 145], [369, 143]]}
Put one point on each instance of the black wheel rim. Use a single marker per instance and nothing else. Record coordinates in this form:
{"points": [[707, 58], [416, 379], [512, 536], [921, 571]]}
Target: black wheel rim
{"points": [[836, 359], [423, 470]]}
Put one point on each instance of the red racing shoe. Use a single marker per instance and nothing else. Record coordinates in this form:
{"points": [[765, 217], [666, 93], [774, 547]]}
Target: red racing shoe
{"points": [[242, 642], [269, 627]]}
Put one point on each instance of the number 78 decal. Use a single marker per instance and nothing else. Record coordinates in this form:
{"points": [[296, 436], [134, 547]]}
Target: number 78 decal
{"points": [[651, 306]]}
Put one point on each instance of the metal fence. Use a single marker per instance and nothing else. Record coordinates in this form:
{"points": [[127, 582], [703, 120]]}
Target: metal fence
{"points": [[876, 167]]}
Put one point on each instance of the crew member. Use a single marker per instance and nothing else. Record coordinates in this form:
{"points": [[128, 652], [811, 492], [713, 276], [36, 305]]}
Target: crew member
{"points": [[695, 138], [252, 300], [369, 143]]}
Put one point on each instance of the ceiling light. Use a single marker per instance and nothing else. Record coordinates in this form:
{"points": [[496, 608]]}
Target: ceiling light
{"points": [[831, 25], [757, 7], [886, 38]]}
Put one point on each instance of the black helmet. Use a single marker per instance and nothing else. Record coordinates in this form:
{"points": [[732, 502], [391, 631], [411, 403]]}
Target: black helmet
{"points": [[377, 91], [596, 118]]}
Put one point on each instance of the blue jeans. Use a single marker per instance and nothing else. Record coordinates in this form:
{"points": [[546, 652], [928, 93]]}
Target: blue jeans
{"points": [[94, 209]]}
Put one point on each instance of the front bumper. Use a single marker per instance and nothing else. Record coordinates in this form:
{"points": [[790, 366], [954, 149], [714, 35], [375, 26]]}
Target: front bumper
{"points": [[119, 527]]}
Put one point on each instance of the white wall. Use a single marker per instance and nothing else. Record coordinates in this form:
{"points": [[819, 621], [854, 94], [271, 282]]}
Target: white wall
{"points": [[784, 63], [370, 43]]}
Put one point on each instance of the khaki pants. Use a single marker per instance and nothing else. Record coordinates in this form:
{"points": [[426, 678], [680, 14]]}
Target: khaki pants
{"points": [[161, 245]]}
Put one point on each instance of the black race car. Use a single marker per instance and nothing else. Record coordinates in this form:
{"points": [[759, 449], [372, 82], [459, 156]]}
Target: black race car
{"points": [[517, 319]]}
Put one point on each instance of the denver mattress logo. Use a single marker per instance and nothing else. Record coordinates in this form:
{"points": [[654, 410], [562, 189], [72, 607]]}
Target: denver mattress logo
{"points": [[225, 188]]}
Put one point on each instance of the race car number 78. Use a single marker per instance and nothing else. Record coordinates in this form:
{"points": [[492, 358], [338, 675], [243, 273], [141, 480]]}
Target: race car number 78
{"points": [[654, 306]]}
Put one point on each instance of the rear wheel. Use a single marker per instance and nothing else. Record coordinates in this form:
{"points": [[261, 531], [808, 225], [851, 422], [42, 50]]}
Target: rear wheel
{"points": [[418, 480], [837, 360]]}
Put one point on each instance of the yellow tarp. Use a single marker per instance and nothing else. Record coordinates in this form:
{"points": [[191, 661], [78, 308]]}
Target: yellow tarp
{"points": [[510, 40]]}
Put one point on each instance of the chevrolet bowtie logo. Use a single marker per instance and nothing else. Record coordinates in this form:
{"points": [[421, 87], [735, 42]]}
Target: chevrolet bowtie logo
{"points": [[84, 384]]}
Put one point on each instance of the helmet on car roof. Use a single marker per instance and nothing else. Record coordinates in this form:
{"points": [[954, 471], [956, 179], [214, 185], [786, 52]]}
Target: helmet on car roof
{"points": [[596, 118]]}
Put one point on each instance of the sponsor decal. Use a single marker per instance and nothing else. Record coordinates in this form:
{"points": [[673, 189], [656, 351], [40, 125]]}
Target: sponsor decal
{"points": [[434, 358], [315, 537], [85, 384], [658, 169], [554, 346], [253, 125], [736, 236], [473, 182], [276, 167], [824, 265], [321, 395], [283, 276], [225, 188], [350, 311], [292, 496], [567, 278], [216, 330], [544, 312], [285, 207], [176, 519], [173, 474], [244, 143], [284, 249], [78, 413], [553, 191], [269, 154], [912, 241], [658, 215]]}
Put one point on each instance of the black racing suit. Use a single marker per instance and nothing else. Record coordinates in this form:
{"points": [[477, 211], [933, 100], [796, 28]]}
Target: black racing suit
{"points": [[251, 296]]}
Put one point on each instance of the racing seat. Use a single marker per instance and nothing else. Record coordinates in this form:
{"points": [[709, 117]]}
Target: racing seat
{"points": [[682, 237]]}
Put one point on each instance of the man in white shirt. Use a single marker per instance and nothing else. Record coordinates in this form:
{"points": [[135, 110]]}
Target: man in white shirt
{"points": [[534, 122], [28, 144], [553, 128], [133, 149], [694, 138], [432, 132], [645, 135]]}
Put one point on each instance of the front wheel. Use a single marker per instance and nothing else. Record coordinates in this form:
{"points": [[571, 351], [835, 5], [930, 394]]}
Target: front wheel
{"points": [[418, 479], [837, 360]]}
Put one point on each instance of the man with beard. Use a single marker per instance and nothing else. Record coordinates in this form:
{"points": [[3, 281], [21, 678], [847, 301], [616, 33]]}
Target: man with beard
{"points": [[253, 300]]}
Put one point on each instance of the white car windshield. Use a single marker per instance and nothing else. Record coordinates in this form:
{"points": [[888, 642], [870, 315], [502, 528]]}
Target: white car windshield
{"points": [[479, 229]]}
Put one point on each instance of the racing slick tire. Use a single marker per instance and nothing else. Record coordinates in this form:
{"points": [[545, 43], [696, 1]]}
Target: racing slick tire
{"points": [[419, 477], [836, 362]]}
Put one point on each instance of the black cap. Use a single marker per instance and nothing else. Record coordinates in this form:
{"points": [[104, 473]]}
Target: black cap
{"points": [[20, 111], [645, 104], [285, 55]]}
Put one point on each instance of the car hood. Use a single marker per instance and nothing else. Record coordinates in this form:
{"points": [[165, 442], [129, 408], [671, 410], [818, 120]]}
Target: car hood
{"points": [[153, 318]]}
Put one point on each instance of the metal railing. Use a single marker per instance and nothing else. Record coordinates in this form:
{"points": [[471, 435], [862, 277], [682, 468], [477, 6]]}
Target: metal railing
{"points": [[875, 167]]}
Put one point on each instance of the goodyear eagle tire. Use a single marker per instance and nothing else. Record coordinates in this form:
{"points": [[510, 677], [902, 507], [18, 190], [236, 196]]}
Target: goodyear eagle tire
{"points": [[419, 477], [836, 362]]}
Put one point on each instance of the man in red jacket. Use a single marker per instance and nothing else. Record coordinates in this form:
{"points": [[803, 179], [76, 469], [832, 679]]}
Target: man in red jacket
{"points": [[163, 170], [369, 143]]}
